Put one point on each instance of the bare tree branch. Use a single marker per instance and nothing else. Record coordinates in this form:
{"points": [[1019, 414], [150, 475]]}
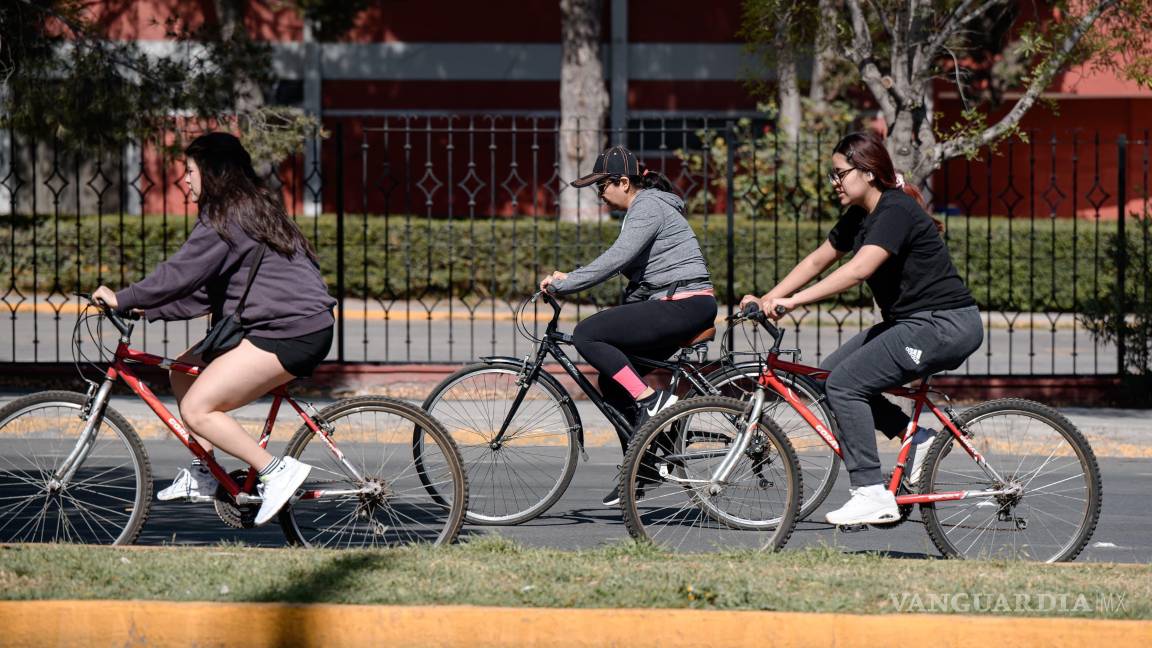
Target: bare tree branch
{"points": [[862, 55], [955, 22], [1043, 78]]}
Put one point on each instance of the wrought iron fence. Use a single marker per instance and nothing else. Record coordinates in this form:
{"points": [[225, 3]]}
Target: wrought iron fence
{"points": [[431, 229]]}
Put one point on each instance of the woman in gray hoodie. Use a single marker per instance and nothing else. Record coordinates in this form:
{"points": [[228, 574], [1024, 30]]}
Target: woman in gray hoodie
{"points": [[669, 298]]}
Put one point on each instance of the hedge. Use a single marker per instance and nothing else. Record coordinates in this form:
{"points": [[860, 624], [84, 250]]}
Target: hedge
{"points": [[1011, 265]]}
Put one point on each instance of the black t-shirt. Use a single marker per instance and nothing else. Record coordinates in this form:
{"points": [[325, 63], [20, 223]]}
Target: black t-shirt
{"points": [[919, 275]]}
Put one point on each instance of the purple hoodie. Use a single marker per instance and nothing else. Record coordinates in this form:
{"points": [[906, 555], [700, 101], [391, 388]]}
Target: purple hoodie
{"points": [[207, 275]]}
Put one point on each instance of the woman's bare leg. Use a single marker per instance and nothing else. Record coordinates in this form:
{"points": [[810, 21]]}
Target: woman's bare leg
{"points": [[234, 379], [181, 383]]}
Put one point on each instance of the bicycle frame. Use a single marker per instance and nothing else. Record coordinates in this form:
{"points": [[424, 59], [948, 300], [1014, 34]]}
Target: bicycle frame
{"points": [[921, 399], [121, 368], [550, 345]]}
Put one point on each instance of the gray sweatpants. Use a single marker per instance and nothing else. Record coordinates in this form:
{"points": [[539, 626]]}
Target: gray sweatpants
{"points": [[887, 355]]}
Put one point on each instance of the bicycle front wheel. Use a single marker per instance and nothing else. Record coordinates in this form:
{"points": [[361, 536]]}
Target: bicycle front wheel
{"points": [[104, 502], [819, 464], [1041, 458], [367, 489], [521, 476], [672, 497]]}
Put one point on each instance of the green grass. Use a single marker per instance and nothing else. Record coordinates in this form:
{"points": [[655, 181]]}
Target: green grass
{"points": [[492, 571]]}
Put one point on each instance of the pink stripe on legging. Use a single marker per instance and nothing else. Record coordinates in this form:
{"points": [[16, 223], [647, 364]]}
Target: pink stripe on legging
{"points": [[629, 380]]}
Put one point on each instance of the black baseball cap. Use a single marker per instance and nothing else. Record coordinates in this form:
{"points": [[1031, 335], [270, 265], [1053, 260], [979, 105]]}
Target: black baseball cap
{"points": [[616, 161]]}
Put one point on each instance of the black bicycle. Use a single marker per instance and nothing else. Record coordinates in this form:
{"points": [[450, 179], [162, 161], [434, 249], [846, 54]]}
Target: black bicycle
{"points": [[520, 432]]}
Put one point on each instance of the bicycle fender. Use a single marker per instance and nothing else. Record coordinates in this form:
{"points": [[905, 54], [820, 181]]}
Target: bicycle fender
{"points": [[517, 364]]}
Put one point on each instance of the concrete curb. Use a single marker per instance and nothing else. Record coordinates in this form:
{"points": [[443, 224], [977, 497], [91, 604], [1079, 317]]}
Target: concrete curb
{"points": [[160, 623]]}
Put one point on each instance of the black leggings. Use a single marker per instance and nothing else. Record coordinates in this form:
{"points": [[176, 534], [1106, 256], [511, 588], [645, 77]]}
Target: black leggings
{"points": [[610, 339]]}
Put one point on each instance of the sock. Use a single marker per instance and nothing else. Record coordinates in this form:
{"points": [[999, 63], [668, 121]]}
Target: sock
{"points": [[198, 464], [269, 469], [922, 434], [872, 490], [630, 381]]}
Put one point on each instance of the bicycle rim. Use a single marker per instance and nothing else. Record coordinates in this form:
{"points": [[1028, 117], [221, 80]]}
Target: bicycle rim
{"points": [[1029, 445], [754, 509], [524, 475], [107, 499], [392, 506]]}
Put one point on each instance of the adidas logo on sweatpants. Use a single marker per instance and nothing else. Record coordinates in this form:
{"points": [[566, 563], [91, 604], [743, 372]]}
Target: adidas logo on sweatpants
{"points": [[914, 354]]}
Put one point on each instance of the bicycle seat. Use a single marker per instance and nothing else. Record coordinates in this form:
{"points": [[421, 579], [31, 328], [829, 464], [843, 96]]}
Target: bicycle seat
{"points": [[703, 337]]}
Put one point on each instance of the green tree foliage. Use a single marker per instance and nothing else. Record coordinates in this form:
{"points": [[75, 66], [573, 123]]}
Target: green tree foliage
{"points": [[902, 49], [63, 79]]}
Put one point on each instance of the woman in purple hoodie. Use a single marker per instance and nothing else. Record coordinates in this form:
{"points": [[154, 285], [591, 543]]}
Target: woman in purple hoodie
{"points": [[287, 315]]}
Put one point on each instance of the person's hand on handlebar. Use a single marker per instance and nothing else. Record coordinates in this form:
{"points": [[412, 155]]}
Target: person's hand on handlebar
{"points": [[104, 295], [547, 281], [777, 307]]}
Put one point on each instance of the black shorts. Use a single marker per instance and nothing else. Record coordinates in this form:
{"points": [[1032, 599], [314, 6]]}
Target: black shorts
{"points": [[299, 355]]}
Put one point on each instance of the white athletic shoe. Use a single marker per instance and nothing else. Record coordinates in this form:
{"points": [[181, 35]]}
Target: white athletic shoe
{"points": [[188, 484], [921, 441], [280, 486], [869, 505]]}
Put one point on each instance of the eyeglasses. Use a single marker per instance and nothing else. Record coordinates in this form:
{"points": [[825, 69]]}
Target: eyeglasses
{"points": [[602, 186], [836, 176]]}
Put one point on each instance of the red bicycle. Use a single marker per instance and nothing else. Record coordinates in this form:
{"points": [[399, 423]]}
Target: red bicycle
{"points": [[1008, 478], [73, 469]]}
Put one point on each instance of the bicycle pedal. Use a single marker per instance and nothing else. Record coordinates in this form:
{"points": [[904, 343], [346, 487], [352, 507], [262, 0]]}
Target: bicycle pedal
{"points": [[852, 528], [200, 499]]}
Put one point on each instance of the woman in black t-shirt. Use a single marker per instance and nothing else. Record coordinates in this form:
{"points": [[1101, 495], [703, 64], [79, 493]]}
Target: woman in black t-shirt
{"points": [[930, 321]]}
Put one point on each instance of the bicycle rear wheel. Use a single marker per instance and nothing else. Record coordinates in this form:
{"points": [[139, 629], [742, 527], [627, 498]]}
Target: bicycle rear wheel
{"points": [[521, 477], [819, 464], [666, 494], [107, 499], [1033, 449], [387, 504]]}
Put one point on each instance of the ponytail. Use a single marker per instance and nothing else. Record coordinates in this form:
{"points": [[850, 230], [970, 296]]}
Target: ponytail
{"points": [[649, 179]]}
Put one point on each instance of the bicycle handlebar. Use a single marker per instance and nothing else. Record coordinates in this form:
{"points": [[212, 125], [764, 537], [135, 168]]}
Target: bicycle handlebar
{"points": [[121, 319], [752, 313]]}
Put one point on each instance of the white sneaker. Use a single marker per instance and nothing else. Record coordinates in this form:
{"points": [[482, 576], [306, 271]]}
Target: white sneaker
{"points": [[869, 505], [190, 484], [921, 441], [280, 486]]}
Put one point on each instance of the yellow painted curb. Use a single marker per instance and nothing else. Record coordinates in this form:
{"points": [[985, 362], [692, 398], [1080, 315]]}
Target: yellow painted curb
{"points": [[252, 625]]}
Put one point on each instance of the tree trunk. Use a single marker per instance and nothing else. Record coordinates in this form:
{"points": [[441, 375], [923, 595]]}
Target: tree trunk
{"points": [[787, 83], [583, 103], [231, 13], [824, 53]]}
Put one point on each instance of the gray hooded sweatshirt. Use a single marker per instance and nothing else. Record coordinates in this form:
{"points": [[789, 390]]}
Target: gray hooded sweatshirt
{"points": [[656, 251]]}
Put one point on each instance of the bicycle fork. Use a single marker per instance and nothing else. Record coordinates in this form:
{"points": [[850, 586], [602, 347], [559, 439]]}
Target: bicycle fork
{"points": [[744, 434], [94, 411]]}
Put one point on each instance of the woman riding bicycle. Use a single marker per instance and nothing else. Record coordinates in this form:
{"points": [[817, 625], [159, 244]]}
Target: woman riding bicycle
{"points": [[669, 296], [930, 320], [286, 314]]}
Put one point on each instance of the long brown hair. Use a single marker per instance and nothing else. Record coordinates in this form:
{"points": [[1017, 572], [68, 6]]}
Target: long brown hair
{"points": [[231, 192], [865, 151]]}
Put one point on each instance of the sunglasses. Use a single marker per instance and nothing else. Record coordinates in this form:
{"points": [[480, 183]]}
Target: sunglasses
{"points": [[836, 176], [602, 186]]}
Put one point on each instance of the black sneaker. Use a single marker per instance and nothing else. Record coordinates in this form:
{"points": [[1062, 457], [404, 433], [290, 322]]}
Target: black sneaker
{"points": [[653, 405]]}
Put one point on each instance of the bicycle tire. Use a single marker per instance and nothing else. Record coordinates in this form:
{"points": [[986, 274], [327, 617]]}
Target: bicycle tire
{"points": [[999, 513], [95, 507], [388, 510], [689, 509], [531, 470], [819, 464]]}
